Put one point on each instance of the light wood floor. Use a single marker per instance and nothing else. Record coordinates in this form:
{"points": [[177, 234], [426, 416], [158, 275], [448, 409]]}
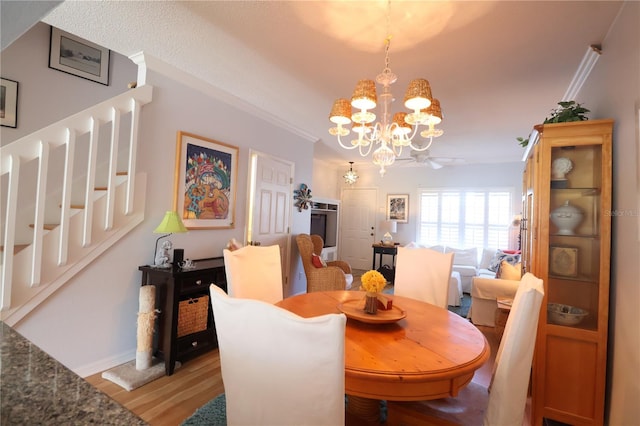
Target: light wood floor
{"points": [[171, 399]]}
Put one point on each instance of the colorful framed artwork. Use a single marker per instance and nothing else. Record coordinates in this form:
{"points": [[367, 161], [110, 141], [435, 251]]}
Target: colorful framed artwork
{"points": [[205, 182], [563, 261], [9, 103], [77, 56], [398, 207]]}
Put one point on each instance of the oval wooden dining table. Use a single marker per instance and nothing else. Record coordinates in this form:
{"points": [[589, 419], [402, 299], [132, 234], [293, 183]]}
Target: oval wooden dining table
{"points": [[431, 353]]}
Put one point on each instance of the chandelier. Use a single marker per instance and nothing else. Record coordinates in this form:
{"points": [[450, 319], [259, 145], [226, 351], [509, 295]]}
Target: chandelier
{"points": [[350, 177], [389, 135]]}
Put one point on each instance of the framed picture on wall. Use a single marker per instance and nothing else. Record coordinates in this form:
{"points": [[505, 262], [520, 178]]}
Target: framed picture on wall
{"points": [[398, 207], [77, 56], [205, 182], [9, 103]]}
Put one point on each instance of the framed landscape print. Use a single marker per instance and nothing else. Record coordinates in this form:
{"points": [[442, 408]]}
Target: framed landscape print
{"points": [[9, 103], [74, 55], [205, 182], [398, 207]]}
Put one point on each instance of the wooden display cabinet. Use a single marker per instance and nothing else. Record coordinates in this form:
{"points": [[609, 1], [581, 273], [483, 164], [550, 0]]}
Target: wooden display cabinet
{"points": [[569, 368]]}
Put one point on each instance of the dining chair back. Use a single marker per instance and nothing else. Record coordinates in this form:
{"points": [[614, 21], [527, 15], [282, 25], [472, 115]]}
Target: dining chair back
{"points": [[423, 274], [503, 402], [254, 272], [512, 366], [277, 367]]}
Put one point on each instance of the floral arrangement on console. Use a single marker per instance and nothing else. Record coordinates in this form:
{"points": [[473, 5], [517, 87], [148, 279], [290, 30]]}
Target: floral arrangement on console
{"points": [[373, 282]]}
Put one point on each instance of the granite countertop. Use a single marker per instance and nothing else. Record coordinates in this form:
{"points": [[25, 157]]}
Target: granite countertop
{"points": [[38, 390]]}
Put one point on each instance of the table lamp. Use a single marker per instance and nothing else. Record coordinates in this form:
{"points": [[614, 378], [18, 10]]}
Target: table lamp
{"points": [[388, 227], [171, 224]]}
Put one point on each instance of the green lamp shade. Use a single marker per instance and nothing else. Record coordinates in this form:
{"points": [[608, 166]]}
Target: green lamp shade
{"points": [[171, 224]]}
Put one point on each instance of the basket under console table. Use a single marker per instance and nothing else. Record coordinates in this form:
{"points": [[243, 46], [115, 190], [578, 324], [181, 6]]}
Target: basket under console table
{"points": [[185, 326]]}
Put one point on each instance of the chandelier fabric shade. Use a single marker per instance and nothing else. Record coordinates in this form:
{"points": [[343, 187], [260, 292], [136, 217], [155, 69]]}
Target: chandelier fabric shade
{"points": [[364, 95], [341, 112], [391, 133], [418, 95]]}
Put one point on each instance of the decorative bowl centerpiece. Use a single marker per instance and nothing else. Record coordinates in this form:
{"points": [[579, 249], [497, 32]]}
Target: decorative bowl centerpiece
{"points": [[565, 314]]}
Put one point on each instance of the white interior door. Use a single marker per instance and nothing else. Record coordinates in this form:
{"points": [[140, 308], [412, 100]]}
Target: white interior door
{"points": [[357, 229], [269, 210]]}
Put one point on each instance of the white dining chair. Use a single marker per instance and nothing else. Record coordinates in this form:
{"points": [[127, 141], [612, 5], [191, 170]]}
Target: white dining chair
{"points": [[277, 367], [423, 274], [254, 272], [504, 401]]}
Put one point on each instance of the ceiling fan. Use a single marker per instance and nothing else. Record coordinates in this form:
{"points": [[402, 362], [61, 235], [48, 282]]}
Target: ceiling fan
{"points": [[424, 159]]}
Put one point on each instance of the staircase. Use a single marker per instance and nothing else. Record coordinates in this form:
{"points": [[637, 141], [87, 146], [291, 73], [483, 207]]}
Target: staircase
{"points": [[69, 192]]}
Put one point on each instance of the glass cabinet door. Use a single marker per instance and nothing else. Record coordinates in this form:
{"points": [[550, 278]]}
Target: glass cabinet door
{"points": [[575, 209]]}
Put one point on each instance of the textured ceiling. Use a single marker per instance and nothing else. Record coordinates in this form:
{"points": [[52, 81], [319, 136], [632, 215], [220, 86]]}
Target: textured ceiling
{"points": [[497, 67]]}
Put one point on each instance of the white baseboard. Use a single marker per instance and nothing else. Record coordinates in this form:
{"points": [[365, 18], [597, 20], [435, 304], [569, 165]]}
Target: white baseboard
{"points": [[105, 364]]}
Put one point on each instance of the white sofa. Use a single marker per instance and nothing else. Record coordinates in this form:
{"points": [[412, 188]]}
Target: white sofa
{"points": [[484, 294], [467, 264], [486, 289]]}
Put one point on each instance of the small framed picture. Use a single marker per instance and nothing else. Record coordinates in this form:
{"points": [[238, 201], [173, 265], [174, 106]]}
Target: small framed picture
{"points": [[563, 261], [206, 181], [9, 103], [77, 56], [398, 207]]}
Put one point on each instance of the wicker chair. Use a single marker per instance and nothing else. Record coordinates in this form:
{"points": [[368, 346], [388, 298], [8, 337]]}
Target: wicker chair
{"points": [[335, 276]]}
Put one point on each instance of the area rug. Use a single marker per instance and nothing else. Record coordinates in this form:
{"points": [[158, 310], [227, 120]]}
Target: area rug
{"points": [[213, 413], [127, 377], [463, 309]]}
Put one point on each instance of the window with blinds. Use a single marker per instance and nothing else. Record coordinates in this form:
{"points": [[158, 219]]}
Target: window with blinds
{"points": [[465, 218]]}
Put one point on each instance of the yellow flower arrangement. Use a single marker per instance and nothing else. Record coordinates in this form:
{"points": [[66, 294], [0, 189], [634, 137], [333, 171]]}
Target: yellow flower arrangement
{"points": [[373, 281]]}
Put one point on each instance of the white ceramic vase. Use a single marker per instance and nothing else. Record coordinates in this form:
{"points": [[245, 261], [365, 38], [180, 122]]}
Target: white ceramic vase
{"points": [[567, 218]]}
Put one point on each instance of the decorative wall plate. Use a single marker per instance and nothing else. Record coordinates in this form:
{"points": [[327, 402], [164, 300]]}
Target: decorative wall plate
{"points": [[303, 197], [563, 261]]}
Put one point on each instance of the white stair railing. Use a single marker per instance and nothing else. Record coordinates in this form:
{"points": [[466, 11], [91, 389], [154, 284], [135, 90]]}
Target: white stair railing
{"points": [[25, 269]]}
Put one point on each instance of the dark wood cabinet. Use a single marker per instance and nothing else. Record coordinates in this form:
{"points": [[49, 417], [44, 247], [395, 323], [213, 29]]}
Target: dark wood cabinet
{"points": [[173, 286]]}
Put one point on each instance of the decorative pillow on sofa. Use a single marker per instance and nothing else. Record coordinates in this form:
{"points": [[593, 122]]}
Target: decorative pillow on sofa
{"points": [[487, 256], [508, 271], [317, 261], [499, 257], [466, 257]]}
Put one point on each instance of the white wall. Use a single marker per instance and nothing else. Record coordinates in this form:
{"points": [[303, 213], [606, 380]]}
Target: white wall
{"points": [[409, 180], [613, 91], [46, 95], [90, 324]]}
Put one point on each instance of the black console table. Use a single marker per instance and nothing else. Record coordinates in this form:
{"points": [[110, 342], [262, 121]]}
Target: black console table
{"points": [[174, 285], [380, 249]]}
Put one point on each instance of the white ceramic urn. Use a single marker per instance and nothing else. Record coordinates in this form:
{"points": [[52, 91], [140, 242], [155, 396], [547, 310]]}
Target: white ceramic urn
{"points": [[567, 218]]}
